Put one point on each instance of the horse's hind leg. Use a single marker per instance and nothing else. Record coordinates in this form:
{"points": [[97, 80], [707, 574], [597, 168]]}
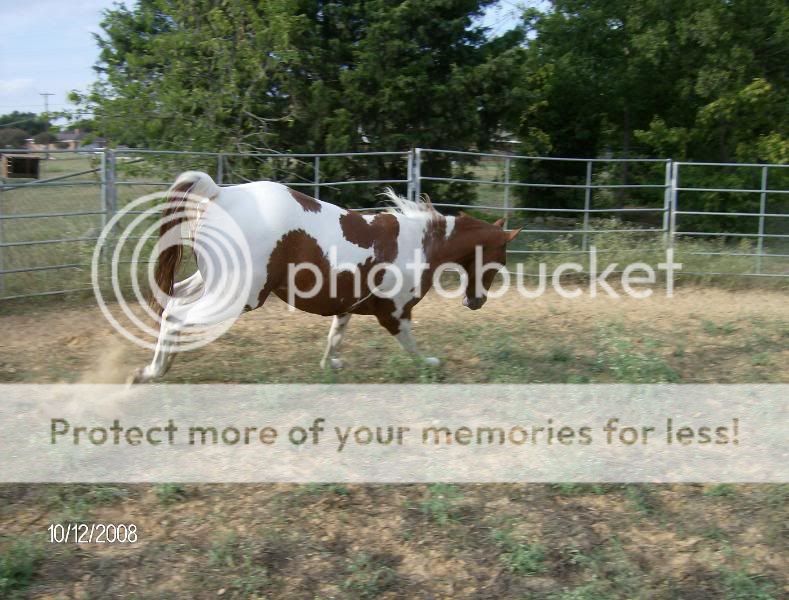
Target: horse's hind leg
{"points": [[185, 309], [336, 333]]}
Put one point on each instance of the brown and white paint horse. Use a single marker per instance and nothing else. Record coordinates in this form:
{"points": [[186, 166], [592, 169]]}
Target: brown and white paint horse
{"points": [[283, 228]]}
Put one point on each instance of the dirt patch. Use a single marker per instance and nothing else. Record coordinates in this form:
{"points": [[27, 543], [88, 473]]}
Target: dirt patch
{"points": [[705, 335]]}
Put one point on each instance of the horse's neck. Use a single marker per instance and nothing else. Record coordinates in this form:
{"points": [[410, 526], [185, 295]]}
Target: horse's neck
{"points": [[454, 240]]}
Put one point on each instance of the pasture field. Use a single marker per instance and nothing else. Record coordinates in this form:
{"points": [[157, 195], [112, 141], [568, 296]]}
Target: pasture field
{"points": [[559, 541]]}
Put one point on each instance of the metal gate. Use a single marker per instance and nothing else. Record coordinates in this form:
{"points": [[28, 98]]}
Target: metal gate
{"points": [[48, 226]]}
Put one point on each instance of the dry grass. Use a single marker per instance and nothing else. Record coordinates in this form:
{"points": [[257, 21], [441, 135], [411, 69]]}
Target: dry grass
{"points": [[562, 541], [699, 335]]}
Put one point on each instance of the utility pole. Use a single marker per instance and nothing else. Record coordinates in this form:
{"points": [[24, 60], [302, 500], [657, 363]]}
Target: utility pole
{"points": [[46, 96]]}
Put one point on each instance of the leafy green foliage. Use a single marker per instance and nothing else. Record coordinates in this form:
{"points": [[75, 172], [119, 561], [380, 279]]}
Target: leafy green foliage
{"points": [[13, 137], [701, 80], [28, 122], [704, 80], [307, 76]]}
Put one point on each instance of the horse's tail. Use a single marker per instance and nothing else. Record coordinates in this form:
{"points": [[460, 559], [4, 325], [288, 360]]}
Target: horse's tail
{"points": [[198, 187]]}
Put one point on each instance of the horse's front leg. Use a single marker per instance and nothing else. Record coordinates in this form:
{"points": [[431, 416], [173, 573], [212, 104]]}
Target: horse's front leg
{"points": [[336, 333], [401, 329]]}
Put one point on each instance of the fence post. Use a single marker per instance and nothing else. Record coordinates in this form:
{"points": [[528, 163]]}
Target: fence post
{"points": [[672, 217], [417, 173], [103, 172], [762, 211], [110, 190], [667, 202], [410, 174], [316, 177], [220, 168], [587, 206], [107, 203], [507, 162], [2, 240]]}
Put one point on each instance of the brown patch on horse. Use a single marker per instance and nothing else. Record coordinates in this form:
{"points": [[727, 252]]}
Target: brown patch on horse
{"points": [[434, 238], [308, 203], [380, 233], [384, 309], [297, 247]]}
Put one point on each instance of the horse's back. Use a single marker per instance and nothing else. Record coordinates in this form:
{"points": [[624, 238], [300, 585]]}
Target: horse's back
{"points": [[275, 206]]}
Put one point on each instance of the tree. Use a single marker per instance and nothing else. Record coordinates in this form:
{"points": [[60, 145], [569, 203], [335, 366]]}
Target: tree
{"points": [[29, 122], [700, 79], [13, 137], [306, 76]]}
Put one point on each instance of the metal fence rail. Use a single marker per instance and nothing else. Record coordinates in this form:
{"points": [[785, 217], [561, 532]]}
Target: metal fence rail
{"points": [[48, 226]]}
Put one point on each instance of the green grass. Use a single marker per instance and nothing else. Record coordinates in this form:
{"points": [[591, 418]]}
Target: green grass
{"points": [[641, 498], [18, 563], [169, 493], [711, 328], [77, 502], [740, 585], [608, 572], [368, 576], [721, 490], [630, 247], [578, 489], [440, 506], [223, 551], [228, 557], [518, 557], [631, 363]]}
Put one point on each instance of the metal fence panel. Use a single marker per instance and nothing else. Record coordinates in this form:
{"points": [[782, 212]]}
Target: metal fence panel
{"points": [[48, 226]]}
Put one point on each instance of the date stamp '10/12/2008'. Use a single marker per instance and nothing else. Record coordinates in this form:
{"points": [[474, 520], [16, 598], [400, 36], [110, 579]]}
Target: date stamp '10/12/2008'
{"points": [[92, 533]]}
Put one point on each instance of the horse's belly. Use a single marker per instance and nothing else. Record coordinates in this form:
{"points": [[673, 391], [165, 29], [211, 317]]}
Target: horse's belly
{"points": [[320, 304]]}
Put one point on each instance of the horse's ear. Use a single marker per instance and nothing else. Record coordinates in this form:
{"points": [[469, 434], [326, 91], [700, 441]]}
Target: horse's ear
{"points": [[462, 214], [511, 235], [499, 223]]}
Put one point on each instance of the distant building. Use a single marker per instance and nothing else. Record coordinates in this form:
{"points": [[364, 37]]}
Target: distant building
{"points": [[70, 140]]}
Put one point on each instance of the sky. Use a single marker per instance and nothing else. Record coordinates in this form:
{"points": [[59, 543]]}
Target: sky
{"points": [[48, 46]]}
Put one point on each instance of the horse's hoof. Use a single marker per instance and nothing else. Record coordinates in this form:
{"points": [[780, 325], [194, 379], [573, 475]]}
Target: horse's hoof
{"points": [[432, 361], [136, 377], [333, 363]]}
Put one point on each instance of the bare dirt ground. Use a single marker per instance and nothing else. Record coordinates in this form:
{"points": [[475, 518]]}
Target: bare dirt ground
{"points": [[704, 334], [567, 541]]}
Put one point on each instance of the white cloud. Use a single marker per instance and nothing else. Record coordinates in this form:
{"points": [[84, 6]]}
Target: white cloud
{"points": [[14, 86]]}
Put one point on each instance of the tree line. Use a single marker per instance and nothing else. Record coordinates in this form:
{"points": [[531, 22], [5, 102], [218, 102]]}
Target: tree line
{"points": [[702, 80]]}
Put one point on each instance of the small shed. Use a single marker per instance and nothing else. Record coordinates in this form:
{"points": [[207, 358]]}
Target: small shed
{"points": [[19, 166]]}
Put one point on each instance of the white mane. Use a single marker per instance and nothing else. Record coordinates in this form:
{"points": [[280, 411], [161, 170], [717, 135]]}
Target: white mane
{"points": [[420, 208]]}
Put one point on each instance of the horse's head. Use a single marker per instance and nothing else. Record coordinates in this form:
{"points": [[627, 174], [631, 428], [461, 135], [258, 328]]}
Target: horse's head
{"points": [[486, 258]]}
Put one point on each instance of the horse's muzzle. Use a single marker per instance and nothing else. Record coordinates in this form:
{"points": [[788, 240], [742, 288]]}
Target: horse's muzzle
{"points": [[474, 303]]}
